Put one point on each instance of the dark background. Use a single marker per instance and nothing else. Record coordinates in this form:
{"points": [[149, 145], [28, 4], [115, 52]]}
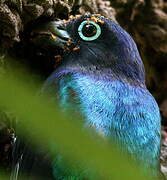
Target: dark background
{"points": [[145, 20]]}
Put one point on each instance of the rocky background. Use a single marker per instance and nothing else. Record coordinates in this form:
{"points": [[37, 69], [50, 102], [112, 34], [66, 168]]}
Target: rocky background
{"points": [[145, 20]]}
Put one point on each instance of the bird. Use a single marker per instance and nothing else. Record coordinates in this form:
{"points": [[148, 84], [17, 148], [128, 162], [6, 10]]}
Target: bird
{"points": [[101, 75]]}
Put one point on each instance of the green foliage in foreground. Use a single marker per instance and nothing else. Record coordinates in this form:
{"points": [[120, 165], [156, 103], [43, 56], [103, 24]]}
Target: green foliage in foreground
{"points": [[39, 115]]}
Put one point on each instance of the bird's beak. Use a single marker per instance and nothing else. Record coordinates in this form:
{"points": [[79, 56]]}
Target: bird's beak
{"points": [[51, 34], [58, 33]]}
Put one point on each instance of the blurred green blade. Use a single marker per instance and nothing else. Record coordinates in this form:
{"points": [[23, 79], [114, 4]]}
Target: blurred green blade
{"points": [[3, 177], [42, 117]]}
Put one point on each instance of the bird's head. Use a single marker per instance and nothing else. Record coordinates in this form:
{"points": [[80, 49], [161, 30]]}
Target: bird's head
{"points": [[97, 46]]}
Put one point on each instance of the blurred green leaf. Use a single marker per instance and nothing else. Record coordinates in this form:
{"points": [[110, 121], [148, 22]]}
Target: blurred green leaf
{"points": [[43, 121]]}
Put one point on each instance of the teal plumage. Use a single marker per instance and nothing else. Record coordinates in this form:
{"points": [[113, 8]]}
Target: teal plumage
{"points": [[118, 110]]}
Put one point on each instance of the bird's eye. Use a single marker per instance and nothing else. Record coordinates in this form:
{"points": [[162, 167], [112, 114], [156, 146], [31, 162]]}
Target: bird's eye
{"points": [[89, 30]]}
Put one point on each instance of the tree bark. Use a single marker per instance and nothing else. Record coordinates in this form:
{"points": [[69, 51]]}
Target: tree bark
{"points": [[145, 20]]}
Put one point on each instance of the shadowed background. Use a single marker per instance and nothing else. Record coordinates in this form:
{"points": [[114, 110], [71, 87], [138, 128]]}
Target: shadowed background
{"points": [[145, 20]]}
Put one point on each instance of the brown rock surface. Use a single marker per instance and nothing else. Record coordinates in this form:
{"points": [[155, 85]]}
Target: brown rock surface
{"points": [[145, 20]]}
